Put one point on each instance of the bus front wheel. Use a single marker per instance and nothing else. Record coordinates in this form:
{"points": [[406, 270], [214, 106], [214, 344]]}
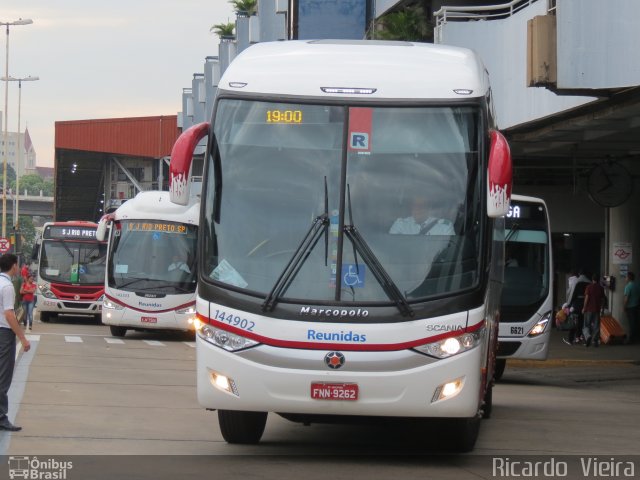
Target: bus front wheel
{"points": [[501, 364], [117, 331], [242, 427], [462, 433], [45, 317]]}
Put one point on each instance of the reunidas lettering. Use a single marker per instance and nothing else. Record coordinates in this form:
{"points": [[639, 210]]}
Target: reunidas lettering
{"points": [[152, 304], [334, 312], [341, 336]]}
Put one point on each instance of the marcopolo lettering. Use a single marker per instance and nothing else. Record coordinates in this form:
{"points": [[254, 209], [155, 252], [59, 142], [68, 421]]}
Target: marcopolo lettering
{"points": [[334, 312], [341, 336]]}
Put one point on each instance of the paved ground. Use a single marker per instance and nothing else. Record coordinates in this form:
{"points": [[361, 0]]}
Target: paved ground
{"points": [[562, 354]]}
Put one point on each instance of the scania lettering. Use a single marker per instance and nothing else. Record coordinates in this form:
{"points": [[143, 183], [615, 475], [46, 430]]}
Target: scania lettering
{"points": [[527, 299], [71, 265], [151, 278], [318, 155]]}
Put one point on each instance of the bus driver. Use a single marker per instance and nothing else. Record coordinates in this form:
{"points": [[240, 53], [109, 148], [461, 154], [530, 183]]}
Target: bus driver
{"points": [[421, 221]]}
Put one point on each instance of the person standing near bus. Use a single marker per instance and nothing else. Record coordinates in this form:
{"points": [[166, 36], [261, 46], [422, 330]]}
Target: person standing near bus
{"points": [[632, 306], [593, 305], [576, 303], [28, 291], [9, 329]]}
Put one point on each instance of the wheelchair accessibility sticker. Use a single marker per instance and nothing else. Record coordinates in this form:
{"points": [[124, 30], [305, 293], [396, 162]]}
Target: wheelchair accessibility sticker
{"points": [[353, 275]]}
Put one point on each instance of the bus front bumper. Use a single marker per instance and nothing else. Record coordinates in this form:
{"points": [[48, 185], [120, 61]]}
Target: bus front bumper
{"points": [[70, 307], [409, 388], [148, 320]]}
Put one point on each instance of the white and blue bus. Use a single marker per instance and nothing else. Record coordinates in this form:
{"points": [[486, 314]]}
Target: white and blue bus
{"points": [[527, 294], [313, 300]]}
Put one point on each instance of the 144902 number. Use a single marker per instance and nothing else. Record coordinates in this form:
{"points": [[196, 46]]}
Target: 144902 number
{"points": [[234, 320]]}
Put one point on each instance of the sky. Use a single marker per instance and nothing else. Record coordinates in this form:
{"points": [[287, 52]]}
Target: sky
{"points": [[102, 59]]}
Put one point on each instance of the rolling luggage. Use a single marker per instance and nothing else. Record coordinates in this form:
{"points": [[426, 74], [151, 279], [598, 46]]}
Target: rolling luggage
{"points": [[611, 331]]}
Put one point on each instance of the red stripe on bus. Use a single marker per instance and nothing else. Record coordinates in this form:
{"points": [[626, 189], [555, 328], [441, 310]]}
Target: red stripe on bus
{"points": [[378, 347], [120, 302]]}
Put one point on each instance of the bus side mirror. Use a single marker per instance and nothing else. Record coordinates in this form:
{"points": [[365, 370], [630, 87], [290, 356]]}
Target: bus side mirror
{"points": [[499, 176], [103, 225], [181, 160]]}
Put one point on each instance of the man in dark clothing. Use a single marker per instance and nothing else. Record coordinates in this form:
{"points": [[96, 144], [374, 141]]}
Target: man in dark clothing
{"points": [[593, 305], [576, 303]]}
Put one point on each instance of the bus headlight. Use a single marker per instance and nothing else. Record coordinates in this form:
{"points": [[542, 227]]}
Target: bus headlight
{"points": [[451, 346], [540, 327], [109, 305], [191, 310], [44, 290], [223, 339]]}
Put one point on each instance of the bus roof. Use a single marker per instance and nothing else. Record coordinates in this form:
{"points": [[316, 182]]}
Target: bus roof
{"points": [[525, 198], [155, 205], [396, 70]]}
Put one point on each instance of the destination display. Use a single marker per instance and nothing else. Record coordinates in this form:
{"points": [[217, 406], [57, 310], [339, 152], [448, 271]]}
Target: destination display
{"points": [[525, 211], [156, 226], [66, 233]]}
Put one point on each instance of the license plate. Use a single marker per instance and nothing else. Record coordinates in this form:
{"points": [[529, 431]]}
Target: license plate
{"points": [[334, 391], [149, 320]]}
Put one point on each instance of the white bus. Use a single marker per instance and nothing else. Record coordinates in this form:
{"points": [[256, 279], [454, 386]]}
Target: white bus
{"points": [[527, 294], [151, 264], [71, 264], [311, 302]]}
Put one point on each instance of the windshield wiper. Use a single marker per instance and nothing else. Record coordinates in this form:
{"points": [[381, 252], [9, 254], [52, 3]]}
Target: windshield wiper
{"points": [[381, 275], [311, 238], [319, 226], [131, 282], [512, 232]]}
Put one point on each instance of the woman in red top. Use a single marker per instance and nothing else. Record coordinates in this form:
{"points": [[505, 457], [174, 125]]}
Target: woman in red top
{"points": [[28, 291]]}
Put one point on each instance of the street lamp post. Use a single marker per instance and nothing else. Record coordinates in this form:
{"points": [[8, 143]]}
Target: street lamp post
{"points": [[20, 21], [16, 218]]}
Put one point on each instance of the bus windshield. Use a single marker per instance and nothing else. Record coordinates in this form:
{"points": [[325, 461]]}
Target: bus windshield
{"points": [[397, 188], [526, 273], [73, 262], [153, 256], [527, 257]]}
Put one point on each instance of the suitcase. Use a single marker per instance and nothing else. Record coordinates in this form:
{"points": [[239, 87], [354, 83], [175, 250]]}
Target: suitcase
{"points": [[611, 331]]}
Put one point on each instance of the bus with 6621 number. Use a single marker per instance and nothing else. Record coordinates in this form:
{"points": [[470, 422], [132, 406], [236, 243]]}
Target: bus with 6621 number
{"points": [[527, 294], [151, 279], [71, 266], [350, 246]]}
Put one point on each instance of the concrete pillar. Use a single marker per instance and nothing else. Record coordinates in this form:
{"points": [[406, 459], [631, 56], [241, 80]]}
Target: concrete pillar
{"points": [[623, 228]]}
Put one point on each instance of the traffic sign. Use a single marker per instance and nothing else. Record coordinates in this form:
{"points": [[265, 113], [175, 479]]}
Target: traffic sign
{"points": [[5, 245]]}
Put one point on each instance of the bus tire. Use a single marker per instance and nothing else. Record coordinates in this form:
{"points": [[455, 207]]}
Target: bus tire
{"points": [[487, 404], [117, 331], [463, 434], [45, 317], [501, 364], [242, 427]]}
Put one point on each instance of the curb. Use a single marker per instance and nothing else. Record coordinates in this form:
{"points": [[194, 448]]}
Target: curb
{"points": [[557, 362]]}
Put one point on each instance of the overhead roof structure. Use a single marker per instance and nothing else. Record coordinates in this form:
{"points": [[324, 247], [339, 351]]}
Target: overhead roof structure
{"points": [[84, 147]]}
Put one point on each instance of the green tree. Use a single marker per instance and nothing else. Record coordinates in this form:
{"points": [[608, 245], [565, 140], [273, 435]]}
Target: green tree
{"points": [[409, 24], [33, 184], [27, 236], [224, 29], [250, 7], [11, 175]]}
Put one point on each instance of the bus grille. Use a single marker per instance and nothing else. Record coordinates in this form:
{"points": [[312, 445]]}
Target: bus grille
{"points": [[508, 348], [77, 305]]}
